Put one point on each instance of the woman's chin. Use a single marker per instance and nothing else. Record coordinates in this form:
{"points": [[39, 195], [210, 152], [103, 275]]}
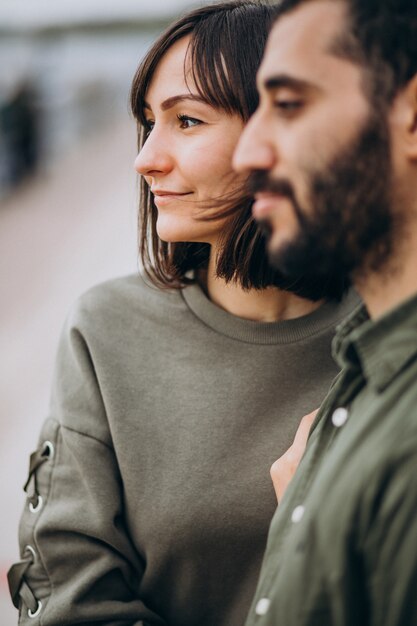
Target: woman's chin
{"points": [[172, 235], [171, 231]]}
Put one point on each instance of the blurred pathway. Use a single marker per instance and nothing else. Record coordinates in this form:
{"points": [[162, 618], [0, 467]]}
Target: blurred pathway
{"points": [[59, 235]]}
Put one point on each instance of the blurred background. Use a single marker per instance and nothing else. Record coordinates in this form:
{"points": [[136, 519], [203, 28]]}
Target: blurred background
{"points": [[67, 197]]}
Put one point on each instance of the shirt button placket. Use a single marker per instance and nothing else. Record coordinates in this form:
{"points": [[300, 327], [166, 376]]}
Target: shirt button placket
{"points": [[262, 606], [339, 417], [297, 514]]}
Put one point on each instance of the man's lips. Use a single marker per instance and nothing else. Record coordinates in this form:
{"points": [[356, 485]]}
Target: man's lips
{"points": [[265, 203]]}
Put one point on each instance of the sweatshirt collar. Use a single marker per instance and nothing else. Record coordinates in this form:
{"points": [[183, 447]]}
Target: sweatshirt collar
{"points": [[283, 332]]}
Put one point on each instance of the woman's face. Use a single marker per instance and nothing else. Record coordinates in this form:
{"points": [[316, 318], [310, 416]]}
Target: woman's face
{"points": [[187, 157]]}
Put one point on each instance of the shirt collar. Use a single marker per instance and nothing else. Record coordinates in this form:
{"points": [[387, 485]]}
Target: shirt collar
{"points": [[381, 348]]}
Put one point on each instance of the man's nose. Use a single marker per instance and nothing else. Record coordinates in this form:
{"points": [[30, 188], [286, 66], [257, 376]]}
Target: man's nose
{"points": [[253, 151]]}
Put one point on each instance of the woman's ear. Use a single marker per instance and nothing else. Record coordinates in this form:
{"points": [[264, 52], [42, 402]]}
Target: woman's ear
{"points": [[411, 130]]}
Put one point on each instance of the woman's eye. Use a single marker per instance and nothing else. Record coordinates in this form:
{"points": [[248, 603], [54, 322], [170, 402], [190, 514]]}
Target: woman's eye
{"points": [[188, 122], [149, 126]]}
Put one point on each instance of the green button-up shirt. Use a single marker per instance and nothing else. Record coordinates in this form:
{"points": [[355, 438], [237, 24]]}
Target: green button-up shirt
{"points": [[342, 547]]}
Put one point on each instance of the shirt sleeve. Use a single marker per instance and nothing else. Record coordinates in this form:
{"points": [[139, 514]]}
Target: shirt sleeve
{"points": [[391, 546], [78, 564]]}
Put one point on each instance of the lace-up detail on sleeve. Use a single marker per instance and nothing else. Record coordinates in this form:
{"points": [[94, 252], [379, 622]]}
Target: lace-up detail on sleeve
{"points": [[27, 578], [19, 589], [37, 458]]}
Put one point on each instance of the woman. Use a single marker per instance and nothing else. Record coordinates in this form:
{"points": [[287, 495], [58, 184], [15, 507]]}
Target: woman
{"points": [[149, 496]]}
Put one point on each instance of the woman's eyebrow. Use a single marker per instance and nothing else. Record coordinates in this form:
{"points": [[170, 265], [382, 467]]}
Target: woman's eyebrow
{"points": [[173, 100]]}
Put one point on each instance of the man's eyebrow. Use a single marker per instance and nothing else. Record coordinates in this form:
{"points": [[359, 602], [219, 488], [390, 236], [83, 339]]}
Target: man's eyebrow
{"points": [[283, 80], [173, 100]]}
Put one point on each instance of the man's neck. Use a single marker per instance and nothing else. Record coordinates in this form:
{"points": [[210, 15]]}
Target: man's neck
{"points": [[266, 305], [384, 291]]}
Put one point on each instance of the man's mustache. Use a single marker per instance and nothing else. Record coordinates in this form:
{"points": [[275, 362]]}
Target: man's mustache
{"points": [[261, 181]]}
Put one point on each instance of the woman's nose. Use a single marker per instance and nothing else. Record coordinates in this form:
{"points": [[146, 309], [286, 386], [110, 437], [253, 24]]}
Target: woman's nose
{"points": [[154, 157]]}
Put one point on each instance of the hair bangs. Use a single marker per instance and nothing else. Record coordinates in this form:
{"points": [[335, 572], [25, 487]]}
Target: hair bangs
{"points": [[212, 65]]}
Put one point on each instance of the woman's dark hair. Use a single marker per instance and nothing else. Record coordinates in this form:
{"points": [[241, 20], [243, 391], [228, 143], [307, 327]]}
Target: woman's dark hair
{"points": [[227, 41]]}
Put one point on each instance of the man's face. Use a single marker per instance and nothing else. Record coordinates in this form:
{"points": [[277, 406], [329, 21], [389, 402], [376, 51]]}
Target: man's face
{"points": [[319, 155]]}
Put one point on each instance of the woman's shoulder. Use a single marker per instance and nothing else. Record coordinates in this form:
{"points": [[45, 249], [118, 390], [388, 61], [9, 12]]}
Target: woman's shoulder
{"points": [[122, 299]]}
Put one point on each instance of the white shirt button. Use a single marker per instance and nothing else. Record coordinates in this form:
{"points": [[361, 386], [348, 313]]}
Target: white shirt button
{"points": [[262, 607], [297, 514], [339, 417]]}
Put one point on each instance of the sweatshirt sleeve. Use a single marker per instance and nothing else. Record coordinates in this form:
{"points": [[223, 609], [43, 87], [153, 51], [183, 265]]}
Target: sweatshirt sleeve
{"points": [[78, 564]]}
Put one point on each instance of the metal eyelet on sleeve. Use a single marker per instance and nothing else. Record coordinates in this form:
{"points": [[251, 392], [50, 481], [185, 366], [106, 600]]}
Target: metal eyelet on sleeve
{"points": [[48, 450], [38, 610], [34, 508], [29, 548]]}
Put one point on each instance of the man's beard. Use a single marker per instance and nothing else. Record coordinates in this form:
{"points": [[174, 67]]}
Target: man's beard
{"points": [[349, 230]]}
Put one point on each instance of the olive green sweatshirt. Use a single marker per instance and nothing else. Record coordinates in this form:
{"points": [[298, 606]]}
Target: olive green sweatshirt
{"points": [[149, 496]]}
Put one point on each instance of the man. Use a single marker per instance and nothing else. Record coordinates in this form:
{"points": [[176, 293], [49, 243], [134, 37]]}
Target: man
{"points": [[333, 154]]}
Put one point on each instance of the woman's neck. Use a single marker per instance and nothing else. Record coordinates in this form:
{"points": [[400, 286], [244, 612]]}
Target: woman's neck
{"points": [[260, 305]]}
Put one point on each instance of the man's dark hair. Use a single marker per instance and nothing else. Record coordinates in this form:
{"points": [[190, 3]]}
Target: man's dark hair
{"points": [[226, 47], [382, 37]]}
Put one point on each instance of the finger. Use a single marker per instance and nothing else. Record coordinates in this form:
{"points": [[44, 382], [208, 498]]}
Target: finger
{"points": [[281, 475], [303, 430]]}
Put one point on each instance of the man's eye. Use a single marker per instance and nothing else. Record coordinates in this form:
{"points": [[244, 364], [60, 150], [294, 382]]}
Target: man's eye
{"points": [[188, 122], [288, 106]]}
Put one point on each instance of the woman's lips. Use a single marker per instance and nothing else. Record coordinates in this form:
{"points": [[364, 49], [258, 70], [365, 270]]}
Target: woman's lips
{"points": [[266, 203], [164, 197]]}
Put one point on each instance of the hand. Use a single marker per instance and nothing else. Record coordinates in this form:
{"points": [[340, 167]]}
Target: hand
{"points": [[284, 468]]}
